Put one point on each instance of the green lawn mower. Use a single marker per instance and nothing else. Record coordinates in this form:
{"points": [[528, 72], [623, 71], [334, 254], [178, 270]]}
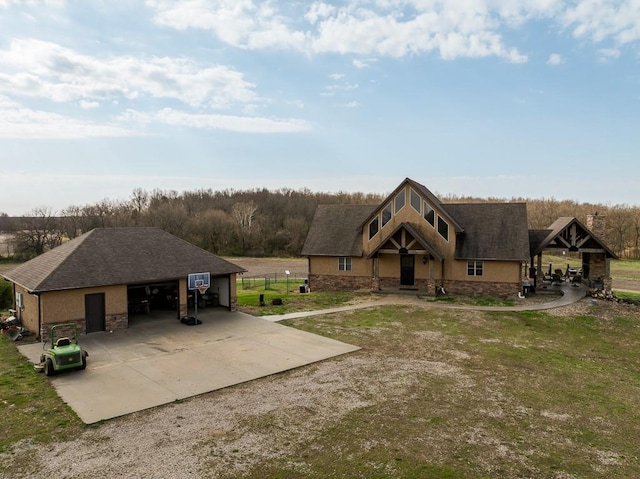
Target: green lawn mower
{"points": [[65, 352]]}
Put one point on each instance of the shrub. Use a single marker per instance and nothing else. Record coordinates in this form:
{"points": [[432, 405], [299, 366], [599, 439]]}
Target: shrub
{"points": [[6, 294]]}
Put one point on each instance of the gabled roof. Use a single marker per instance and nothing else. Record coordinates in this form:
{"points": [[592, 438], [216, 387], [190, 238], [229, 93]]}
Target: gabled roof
{"points": [[112, 256], [492, 231], [555, 237], [426, 194], [416, 235], [336, 230]]}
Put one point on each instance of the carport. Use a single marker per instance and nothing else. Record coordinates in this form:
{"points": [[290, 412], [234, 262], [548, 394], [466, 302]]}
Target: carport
{"points": [[161, 360]]}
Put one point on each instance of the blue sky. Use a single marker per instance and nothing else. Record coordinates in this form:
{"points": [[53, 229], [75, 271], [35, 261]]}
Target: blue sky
{"points": [[490, 98]]}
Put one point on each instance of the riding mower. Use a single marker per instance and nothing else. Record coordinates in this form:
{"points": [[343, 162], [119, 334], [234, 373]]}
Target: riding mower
{"points": [[65, 352]]}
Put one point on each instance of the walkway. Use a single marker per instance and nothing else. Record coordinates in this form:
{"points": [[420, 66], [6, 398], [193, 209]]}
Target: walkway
{"points": [[569, 295]]}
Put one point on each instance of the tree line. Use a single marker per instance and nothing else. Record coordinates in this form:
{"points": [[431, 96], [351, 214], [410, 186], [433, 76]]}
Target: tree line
{"points": [[261, 222]]}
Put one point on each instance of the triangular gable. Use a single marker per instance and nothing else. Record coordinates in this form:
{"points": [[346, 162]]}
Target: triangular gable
{"points": [[406, 238], [568, 233], [426, 195]]}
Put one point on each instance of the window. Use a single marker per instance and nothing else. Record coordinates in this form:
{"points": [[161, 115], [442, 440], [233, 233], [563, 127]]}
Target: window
{"points": [[415, 200], [475, 268], [374, 227], [344, 263], [386, 214], [443, 228], [429, 214], [400, 200]]}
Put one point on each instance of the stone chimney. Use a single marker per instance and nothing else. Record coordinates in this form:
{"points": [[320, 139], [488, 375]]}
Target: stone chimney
{"points": [[597, 224]]}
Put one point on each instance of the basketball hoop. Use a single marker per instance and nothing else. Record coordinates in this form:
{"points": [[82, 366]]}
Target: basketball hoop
{"points": [[203, 289]]}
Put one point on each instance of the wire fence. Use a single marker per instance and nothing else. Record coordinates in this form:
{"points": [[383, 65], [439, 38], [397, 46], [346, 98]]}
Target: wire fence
{"points": [[267, 280]]}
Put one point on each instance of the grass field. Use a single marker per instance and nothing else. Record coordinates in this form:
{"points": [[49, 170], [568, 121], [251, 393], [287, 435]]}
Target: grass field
{"points": [[433, 393], [460, 395]]}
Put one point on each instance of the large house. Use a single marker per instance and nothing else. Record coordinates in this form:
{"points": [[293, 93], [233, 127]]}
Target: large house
{"points": [[101, 279], [414, 241]]}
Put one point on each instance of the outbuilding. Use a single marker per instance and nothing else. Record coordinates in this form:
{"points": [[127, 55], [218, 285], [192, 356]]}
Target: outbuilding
{"points": [[102, 278]]}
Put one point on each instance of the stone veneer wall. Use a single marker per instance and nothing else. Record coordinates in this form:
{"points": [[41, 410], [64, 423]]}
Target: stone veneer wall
{"points": [[352, 283], [482, 288], [111, 323], [322, 282]]}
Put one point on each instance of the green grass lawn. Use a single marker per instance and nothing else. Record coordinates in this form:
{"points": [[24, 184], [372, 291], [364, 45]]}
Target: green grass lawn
{"points": [[527, 395], [441, 394], [292, 299], [29, 406]]}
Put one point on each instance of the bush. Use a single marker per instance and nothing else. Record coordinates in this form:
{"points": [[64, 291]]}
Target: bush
{"points": [[6, 295]]}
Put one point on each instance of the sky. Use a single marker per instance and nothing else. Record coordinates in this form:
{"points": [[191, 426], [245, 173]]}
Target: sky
{"points": [[487, 98]]}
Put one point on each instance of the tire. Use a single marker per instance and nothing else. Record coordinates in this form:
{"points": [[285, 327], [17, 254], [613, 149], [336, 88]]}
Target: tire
{"points": [[84, 362], [48, 367]]}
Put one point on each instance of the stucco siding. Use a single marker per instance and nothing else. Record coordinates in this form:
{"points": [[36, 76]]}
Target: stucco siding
{"points": [[408, 214], [493, 271], [29, 312], [328, 265], [63, 306]]}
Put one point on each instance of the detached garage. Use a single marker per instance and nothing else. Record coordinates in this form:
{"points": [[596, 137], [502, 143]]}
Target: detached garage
{"points": [[108, 275]]}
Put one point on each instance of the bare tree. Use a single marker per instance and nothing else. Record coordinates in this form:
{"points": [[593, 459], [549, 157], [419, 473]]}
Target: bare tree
{"points": [[243, 213], [39, 231]]}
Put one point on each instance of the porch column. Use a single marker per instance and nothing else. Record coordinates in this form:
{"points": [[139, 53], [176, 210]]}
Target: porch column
{"points": [[375, 274]]}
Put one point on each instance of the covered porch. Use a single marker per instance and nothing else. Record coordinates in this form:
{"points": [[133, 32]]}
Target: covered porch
{"points": [[406, 261], [569, 238]]}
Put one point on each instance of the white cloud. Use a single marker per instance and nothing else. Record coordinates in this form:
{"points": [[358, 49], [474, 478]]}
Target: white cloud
{"points": [[88, 105], [336, 76], [17, 122], [386, 28], [41, 69], [555, 59], [241, 23], [363, 63], [32, 3], [599, 20], [173, 117], [398, 28], [607, 54]]}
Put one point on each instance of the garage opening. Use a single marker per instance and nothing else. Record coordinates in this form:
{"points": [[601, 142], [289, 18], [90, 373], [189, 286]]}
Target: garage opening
{"points": [[144, 299]]}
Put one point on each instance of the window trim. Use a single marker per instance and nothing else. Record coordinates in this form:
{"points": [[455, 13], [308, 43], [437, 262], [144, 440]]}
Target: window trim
{"points": [[413, 193], [424, 212], [377, 221], [402, 193], [475, 268], [389, 206], [344, 263], [440, 220]]}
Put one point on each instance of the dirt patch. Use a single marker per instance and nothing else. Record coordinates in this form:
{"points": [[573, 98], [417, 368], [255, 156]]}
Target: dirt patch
{"points": [[298, 267]]}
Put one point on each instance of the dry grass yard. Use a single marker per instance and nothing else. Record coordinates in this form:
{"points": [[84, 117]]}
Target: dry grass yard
{"points": [[433, 393]]}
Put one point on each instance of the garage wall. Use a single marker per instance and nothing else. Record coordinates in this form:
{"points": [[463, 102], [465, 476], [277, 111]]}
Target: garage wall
{"points": [[220, 286]]}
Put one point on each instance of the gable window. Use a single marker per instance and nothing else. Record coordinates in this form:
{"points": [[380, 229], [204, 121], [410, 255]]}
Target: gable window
{"points": [[415, 200], [374, 226], [443, 228], [429, 214], [344, 263], [400, 200], [475, 268], [386, 214]]}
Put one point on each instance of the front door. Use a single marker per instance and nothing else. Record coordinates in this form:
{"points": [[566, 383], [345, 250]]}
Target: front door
{"points": [[94, 312], [407, 269]]}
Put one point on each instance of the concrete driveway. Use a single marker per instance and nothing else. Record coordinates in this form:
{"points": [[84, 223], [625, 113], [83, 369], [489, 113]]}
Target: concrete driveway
{"points": [[159, 360]]}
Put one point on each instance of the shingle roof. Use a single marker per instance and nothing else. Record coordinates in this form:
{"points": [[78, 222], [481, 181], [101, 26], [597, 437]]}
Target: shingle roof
{"points": [[111, 256], [557, 227], [336, 230], [492, 231]]}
